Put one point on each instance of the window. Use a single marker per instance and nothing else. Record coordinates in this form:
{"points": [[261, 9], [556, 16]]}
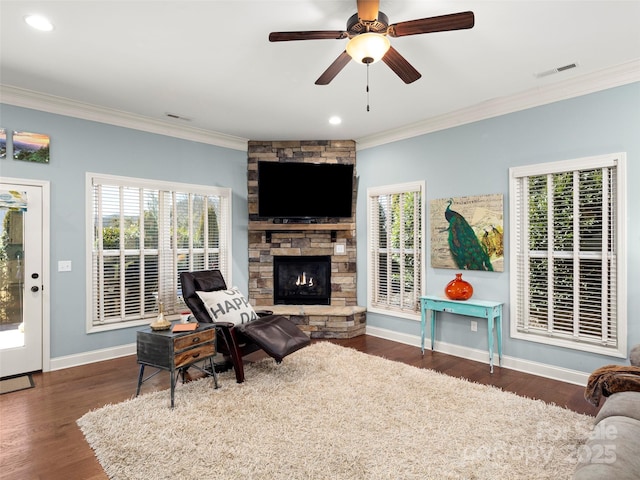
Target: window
{"points": [[395, 248], [568, 261], [142, 234]]}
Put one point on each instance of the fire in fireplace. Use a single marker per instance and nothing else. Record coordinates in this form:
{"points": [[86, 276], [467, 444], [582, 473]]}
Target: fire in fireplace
{"points": [[302, 280]]}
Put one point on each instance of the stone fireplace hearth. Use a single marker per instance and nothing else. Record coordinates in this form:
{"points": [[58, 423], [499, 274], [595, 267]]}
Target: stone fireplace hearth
{"points": [[339, 317]]}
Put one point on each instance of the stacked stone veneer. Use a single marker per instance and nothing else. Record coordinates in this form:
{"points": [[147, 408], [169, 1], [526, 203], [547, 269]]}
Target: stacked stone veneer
{"points": [[333, 321]]}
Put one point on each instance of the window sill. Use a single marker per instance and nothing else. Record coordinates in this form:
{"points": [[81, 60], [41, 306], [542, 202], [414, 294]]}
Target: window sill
{"points": [[619, 352]]}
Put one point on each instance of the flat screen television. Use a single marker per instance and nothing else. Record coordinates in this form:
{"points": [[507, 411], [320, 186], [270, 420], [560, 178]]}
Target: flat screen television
{"points": [[295, 190]]}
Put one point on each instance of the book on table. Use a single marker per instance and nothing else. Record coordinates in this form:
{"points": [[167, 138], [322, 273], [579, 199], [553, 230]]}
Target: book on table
{"points": [[184, 327]]}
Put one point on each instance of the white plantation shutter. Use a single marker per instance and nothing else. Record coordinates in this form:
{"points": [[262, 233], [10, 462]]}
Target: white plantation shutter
{"points": [[202, 217], [568, 254], [143, 234], [395, 248]]}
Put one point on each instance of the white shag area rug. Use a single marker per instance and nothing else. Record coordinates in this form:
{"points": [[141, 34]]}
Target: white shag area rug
{"points": [[329, 412]]}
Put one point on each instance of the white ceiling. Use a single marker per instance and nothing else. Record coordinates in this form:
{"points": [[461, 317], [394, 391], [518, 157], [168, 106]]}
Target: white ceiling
{"points": [[211, 61]]}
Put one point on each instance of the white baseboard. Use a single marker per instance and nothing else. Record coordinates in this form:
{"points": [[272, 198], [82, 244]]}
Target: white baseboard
{"points": [[534, 368], [84, 358], [526, 366]]}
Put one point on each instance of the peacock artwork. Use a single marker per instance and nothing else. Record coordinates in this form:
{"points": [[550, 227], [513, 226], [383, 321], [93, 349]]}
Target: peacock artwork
{"points": [[467, 233]]}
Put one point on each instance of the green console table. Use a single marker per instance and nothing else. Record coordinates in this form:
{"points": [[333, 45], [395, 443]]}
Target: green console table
{"points": [[492, 311]]}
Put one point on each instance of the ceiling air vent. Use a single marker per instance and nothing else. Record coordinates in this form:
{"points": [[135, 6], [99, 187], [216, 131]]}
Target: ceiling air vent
{"points": [[177, 117], [556, 70]]}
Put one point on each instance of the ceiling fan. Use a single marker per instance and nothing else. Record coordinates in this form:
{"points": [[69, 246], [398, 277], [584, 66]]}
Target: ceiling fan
{"points": [[367, 31]]}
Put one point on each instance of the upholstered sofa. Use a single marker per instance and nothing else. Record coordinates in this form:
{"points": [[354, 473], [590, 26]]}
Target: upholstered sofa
{"points": [[612, 450]]}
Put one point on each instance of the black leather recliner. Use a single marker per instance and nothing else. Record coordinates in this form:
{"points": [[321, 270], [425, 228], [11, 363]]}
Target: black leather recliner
{"points": [[275, 334]]}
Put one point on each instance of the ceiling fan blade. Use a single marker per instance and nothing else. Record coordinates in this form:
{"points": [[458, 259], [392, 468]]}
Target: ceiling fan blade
{"points": [[401, 66], [443, 23], [308, 35], [368, 10], [334, 69]]}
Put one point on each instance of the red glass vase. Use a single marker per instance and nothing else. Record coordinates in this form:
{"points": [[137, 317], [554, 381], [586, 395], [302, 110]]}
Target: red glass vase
{"points": [[458, 289]]}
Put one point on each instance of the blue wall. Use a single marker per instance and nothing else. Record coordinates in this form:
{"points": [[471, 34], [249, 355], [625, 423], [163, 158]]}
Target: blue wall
{"points": [[79, 146], [471, 159], [474, 159]]}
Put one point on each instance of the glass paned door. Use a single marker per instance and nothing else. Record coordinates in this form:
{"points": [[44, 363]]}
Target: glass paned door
{"points": [[20, 279], [11, 278]]}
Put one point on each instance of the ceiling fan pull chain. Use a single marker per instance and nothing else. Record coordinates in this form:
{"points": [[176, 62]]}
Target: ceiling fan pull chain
{"points": [[367, 87]]}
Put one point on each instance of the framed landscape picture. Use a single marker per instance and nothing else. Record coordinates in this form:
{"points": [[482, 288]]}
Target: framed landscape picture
{"points": [[3, 142], [31, 147], [467, 233]]}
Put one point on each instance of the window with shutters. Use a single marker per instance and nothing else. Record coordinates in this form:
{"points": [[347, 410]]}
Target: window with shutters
{"points": [[568, 261], [395, 249], [141, 235]]}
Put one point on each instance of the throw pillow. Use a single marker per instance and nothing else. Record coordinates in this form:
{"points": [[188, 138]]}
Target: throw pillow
{"points": [[228, 306]]}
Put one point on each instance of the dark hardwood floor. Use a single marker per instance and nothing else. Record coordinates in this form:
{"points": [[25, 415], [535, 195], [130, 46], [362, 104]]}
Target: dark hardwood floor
{"points": [[39, 438]]}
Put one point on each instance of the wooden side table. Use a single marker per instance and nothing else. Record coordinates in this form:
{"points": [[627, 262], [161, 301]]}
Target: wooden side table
{"points": [[491, 311], [175, 352]]}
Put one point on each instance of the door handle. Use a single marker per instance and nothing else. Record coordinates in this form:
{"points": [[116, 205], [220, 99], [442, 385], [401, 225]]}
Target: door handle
{"points": [[34, 288]]}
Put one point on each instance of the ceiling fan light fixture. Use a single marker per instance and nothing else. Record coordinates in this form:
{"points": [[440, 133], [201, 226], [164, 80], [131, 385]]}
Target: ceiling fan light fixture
{"points": [[368, 47]]}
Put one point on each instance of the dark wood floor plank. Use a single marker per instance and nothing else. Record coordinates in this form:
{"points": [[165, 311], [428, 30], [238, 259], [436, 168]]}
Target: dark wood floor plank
{"points": [[39, 438]]}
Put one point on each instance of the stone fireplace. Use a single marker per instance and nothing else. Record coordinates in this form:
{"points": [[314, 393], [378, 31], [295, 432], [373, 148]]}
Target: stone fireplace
{"points": [[302, 280], [338, 316]]}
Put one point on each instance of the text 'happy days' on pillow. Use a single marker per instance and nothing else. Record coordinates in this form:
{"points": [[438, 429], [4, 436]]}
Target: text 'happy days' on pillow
{"points": [[228, 306]]}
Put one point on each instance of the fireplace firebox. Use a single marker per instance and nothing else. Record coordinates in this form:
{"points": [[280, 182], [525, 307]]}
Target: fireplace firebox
{"points": [[302, 280]]}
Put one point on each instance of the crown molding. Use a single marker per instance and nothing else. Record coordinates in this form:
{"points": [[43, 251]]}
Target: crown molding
{"points": [[63, 106], [574, 87]]}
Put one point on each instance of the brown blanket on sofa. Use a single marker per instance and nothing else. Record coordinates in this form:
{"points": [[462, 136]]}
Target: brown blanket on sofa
{"points": [[611, 379]]}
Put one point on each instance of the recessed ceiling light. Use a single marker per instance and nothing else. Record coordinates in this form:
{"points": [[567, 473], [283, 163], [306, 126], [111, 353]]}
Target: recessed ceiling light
{"points": [[335, 120], [39, 22]]}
